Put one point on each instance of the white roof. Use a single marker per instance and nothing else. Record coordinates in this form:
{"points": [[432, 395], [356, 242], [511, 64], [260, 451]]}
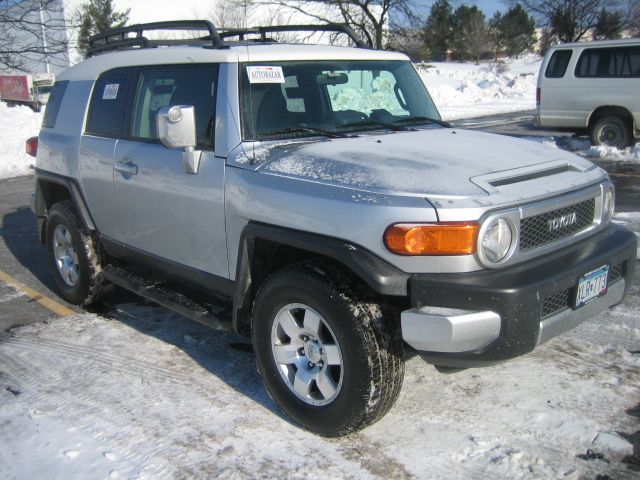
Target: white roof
{"points": [[599, 43], [91, 68]]}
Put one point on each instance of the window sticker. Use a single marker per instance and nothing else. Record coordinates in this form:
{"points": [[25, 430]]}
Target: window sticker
{"points": [[265, 74], [110, 91]]}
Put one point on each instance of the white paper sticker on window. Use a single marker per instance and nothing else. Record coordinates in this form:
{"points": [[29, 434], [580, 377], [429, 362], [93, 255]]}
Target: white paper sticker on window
{"points": [[110, 91], [265, 74]]}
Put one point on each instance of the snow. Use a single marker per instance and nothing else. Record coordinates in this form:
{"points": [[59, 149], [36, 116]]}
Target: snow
{"points": [[137, 392], [582, 146], [464, 90], [17, 124]]}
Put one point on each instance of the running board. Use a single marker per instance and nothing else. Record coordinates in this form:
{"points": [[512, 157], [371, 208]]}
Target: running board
{"points": [[162, 292]]}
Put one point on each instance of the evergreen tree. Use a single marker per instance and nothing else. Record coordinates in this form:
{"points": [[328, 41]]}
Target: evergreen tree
{"points": [[609, 25], [469, 33], [438, 29], [512, 33], [98, 16], [496, 34], [459, 22]]}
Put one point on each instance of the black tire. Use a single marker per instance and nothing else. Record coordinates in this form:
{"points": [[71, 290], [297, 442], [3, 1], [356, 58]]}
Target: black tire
{"points": [[84, 284], [611, 131], [368, 337]]}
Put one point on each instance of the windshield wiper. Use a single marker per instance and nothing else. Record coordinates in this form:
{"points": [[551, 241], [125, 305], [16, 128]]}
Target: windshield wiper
{"points": [[311, 130], [417, 119], [373, 123]]}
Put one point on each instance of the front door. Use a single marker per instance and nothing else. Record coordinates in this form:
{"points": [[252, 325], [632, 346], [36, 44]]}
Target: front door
{"points": [[163, 211]]}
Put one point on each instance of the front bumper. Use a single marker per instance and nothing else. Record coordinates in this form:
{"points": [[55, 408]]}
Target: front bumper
{"points": [[501, 314]]}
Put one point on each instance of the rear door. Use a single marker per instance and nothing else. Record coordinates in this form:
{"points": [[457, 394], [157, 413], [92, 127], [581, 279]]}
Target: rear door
{"points": [[163, 211], [104, 126]]}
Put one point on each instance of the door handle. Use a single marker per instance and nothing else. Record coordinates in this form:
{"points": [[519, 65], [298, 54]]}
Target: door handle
{"points": [[126, 167]]}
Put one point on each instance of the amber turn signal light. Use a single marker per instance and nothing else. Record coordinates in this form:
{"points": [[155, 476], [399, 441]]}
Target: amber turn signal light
{"points": [[455, 238]]}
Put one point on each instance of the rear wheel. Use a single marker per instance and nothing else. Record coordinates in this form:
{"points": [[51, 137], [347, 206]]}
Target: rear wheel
{"points": [[334, 363], [611, 131], [74, 256]]}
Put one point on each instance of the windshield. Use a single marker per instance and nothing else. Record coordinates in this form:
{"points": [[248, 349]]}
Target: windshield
{"points": [[332, 97]]}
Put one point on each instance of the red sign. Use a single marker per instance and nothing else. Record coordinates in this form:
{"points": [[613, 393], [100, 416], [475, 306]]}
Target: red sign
{"points": [[14, 87]]}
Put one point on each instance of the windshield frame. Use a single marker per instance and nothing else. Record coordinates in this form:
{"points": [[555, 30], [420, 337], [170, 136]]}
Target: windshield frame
{"points": [[408, 80]]}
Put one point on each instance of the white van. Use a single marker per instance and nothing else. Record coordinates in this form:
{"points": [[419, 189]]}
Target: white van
{"points": [[592, 86]]}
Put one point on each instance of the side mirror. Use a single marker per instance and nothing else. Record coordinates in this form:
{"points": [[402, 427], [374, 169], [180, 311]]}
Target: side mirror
{"points": [[177, 126], [177, 129]]}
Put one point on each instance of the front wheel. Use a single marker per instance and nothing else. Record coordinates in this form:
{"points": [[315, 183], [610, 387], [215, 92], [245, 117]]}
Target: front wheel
{"points": [[611, 131], [332, 362]]}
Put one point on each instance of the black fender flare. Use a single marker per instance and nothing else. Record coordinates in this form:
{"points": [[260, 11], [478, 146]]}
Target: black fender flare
{"points": [[44, 200], [376, 272]]}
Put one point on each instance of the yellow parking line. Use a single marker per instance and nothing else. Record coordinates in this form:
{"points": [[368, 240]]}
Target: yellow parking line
{"points": [[46, 302]]}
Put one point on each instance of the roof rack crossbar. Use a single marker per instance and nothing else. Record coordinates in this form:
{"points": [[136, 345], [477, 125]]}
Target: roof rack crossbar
{"points": [[262, 31], [118, 38]]}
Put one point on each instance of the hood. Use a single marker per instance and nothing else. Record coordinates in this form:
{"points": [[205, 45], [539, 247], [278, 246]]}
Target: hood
{"points": [[431, 163]]}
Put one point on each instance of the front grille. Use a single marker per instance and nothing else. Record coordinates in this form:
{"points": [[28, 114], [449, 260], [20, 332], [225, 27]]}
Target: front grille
{"points": [[554, 303], [615, 273], [562, 300], [536, 232]]}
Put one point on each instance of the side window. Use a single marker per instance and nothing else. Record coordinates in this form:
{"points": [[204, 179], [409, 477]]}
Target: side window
{"points": [[108, 103], [623, 62], [558, 64], [161, 88], [54, 103]]}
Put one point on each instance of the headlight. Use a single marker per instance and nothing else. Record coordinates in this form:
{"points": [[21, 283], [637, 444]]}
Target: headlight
{"points": [[496, 240], [608, 203]]}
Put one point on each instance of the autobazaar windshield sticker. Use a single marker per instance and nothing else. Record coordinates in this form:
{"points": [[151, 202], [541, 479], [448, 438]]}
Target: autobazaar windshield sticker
{"points": [[265, 74], [110, 91]]}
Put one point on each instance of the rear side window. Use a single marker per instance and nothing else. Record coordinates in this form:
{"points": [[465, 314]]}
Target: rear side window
{"points": [[558, 64], [161, 88], [620, 62], [54, 103], [108, 104]]}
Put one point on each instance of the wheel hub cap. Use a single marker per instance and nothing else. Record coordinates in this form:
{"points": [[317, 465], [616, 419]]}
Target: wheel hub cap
{"points": [[313, 351], [66, 256], [307, 354]]}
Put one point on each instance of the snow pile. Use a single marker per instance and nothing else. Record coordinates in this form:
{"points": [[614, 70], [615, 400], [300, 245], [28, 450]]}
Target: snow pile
{"points": [[17, 124], [463, 90], [582, 146]]}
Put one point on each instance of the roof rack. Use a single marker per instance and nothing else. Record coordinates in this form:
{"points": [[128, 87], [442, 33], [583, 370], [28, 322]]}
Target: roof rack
{"points": [[122, 38], [132, 36], [241, 33]]}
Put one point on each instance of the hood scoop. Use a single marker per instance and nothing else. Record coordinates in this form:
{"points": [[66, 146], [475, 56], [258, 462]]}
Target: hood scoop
{"points": [[525, 177], [525, 184], [518, 178]]}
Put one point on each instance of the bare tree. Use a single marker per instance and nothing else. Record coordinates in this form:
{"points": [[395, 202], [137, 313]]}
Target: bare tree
{"points": [[32, 32], [476, 42], [232, 14], [369, 18], [571, 20]]}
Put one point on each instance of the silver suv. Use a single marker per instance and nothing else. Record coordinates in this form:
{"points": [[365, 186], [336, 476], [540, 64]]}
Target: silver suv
{"points": [[315, 191]]}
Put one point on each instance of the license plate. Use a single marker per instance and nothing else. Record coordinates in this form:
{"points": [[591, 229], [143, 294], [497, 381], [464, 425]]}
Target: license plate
{"points": [[591, 286]]}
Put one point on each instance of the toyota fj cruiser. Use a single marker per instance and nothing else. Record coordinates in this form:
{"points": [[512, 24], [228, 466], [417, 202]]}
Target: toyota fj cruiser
{"points": [[316, 190]]}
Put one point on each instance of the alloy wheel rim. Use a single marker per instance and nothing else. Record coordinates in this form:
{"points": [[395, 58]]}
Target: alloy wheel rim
{"points": [[307, 354], [66, 256]]}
